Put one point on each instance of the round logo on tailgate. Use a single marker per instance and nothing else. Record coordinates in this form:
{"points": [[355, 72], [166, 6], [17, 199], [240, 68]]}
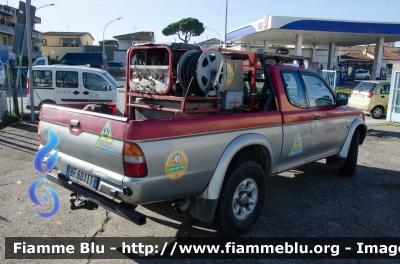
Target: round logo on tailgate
{"points": [[176, 164], [230, 75]]}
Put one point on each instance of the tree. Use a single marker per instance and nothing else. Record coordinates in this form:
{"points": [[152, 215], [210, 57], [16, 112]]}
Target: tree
{"points": [[188, 27], [107, 41]]}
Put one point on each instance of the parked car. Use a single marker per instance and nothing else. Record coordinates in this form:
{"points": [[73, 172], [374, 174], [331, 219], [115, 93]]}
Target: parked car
{"points": [[91, 59], [116, 68], [60, 84], [363, 74], [371, 97]]}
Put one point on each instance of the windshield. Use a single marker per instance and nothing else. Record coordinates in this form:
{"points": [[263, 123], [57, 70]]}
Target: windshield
{"points": [[112, 80], [365, 86]]}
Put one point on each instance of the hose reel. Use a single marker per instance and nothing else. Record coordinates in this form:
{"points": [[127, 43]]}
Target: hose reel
{"points": [[204, 71]]}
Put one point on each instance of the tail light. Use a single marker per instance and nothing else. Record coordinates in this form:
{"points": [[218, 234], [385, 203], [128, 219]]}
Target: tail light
{"points": [[40, 137], [370, 94], [27, 86], [102, 66], [134, 161], [353, 91]]}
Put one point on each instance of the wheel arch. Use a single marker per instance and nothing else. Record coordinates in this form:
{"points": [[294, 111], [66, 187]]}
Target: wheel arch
{"points": [[241, 147], [357, 125], [203, 207]]}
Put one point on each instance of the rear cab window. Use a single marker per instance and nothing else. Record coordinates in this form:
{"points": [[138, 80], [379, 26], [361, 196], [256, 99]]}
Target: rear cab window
{"points": [[294, 88]]}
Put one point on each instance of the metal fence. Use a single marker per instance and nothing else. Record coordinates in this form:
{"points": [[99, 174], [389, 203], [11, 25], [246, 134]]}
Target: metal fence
{"points": [[51, 86], [14, 86]]}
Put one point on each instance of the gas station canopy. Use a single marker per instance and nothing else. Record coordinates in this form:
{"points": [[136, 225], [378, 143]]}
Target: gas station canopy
{"points": [[283, 30]]}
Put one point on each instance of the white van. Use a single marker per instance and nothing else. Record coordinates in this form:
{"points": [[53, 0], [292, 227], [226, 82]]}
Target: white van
{"points": [[59, 84]]}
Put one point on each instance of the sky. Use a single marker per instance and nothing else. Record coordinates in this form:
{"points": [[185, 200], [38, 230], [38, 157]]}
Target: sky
{"points": [[93, 15]]}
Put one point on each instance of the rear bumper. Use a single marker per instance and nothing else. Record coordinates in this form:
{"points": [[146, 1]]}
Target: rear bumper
{"points": [[122, 209], [362, 105]]}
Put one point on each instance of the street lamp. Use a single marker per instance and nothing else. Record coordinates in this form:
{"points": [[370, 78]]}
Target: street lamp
{"points": [[104, 47], [45, 6], [226, 21], [217, 33]]}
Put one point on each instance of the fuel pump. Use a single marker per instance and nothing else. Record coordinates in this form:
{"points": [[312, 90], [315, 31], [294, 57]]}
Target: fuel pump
{"points": [[384, 71]]}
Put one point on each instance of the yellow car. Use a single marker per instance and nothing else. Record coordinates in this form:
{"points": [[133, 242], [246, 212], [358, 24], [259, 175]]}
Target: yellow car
{"points": [[371, 97]]}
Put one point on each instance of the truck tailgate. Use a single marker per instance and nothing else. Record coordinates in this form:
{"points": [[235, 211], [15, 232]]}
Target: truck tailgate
{"points": [[88, 141]]}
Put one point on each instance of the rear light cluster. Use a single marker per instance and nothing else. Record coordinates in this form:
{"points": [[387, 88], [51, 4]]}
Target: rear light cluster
{"points": [[134, 161], [370, 94], [353, 91]]}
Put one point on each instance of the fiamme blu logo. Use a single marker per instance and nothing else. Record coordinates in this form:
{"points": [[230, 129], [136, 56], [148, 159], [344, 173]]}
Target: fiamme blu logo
{"points": [[44, 161]]}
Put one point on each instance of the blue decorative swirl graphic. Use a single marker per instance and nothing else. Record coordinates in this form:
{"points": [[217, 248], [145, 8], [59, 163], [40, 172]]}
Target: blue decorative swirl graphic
{"points": [[34, 199], [44, 151]]}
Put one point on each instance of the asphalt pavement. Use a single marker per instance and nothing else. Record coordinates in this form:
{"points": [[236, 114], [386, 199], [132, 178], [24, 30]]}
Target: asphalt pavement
{"points": [[310, 201]]}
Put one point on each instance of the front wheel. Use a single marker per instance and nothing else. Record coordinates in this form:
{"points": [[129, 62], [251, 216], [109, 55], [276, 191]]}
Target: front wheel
{"points": [[377, 112], [242, 197], [350, 166]]}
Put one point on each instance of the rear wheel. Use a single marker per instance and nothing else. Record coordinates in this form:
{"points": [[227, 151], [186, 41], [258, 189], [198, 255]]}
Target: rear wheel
{"points": [[350, 166], [377, 112], [242, 197]]}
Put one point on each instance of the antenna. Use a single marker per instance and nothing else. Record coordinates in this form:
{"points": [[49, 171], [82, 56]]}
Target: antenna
{"points": [[134, 29], [68, 26]]}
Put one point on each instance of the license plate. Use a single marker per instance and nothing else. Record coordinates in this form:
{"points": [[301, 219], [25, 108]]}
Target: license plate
{"points": [[82, 177], [359, 95]]}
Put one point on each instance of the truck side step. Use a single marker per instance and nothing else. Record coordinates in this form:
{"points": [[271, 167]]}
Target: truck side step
{"points": [[120, 209]]}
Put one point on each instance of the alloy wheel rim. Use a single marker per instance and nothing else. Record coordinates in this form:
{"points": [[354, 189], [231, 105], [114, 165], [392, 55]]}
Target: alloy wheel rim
{"points": [[377, 112], [245, 199]]}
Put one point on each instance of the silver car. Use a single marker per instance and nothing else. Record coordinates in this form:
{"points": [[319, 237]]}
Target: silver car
{"points": [[362, 74]]}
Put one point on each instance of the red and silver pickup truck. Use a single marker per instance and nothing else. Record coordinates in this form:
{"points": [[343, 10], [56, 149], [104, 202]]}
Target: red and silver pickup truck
{"points": [[203, 127]]}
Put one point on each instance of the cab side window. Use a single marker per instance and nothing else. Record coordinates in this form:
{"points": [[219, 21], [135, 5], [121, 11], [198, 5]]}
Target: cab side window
{"points": [[318, 93], [294, 89], [42, 79], [92, 81], [385, 89], [66, 79]]}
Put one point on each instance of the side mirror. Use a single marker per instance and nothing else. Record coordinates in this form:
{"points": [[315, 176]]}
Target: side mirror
{"points": [[342, 99]]}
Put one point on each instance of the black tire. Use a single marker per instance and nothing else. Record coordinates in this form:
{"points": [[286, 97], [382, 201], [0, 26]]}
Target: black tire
{"points": [[241, 173], [377, 112], [350, 166], [367, 78]]}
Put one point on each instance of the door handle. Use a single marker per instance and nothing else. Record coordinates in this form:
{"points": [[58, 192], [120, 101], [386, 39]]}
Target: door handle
{"points": [[75, 123], [86, 93], [76, 92], [317, 117]]}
